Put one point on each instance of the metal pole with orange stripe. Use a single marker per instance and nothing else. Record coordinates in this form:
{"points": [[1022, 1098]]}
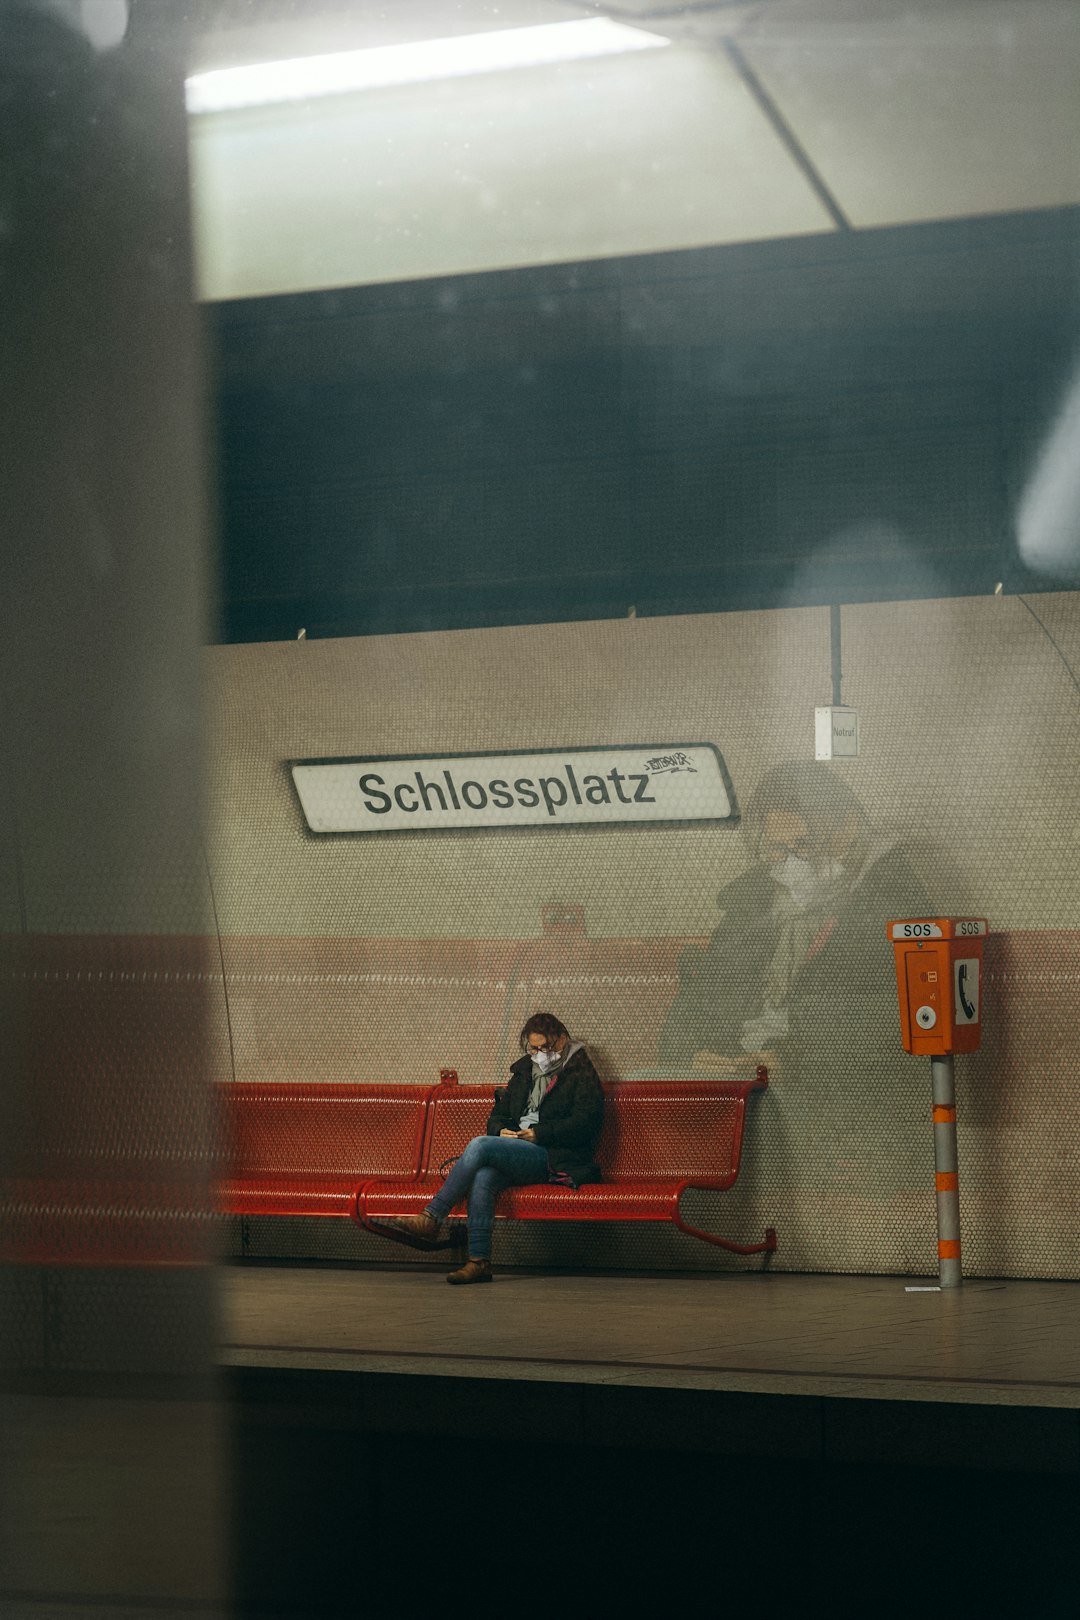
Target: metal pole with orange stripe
{"points": [[946, 1178], [938, 976]]}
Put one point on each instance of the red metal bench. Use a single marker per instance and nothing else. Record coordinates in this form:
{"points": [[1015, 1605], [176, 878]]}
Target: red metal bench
{"points": [[305, 1150], [289, 1150], [138, 1216], [370, 1151], [107, 1145], [660, 1139]]}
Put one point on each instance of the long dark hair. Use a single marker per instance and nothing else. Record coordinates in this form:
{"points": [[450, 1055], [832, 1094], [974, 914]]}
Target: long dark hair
{"points": [[819, 797], [545, 1024]]}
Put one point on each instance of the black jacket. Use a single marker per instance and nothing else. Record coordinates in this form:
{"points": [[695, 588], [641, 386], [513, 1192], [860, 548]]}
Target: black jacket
{"points": [[570, 1114], [843, 1000]]}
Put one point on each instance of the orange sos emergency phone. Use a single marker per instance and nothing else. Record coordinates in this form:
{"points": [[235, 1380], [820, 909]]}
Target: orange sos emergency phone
{"points": [[939, 979]]}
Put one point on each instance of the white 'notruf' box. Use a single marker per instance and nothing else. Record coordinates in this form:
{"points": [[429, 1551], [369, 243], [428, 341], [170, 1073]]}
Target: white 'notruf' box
{"points": [[836, 734]]}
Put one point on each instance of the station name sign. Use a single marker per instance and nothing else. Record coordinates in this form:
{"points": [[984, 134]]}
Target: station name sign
{"points": [[565, 787]]}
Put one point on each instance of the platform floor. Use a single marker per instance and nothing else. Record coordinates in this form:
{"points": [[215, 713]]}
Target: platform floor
{"points": [[745, 1439], [988, 1343]]}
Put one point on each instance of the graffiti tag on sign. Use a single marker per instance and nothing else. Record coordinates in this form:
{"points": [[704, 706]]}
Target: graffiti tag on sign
{"points": [[665, 764]]}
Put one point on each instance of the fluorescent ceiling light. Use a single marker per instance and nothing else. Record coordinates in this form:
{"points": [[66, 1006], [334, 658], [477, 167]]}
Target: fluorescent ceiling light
{"points": [[307, 76]]}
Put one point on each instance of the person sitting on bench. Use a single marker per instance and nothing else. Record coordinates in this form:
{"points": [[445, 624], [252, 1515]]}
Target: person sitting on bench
{"points": [[543, 1127]]}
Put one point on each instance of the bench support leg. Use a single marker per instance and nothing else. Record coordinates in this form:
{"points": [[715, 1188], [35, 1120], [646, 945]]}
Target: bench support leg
{"points": [[768, 1247]]}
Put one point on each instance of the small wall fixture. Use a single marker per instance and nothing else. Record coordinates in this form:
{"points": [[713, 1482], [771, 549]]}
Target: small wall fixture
{"points": [[836, 733]]}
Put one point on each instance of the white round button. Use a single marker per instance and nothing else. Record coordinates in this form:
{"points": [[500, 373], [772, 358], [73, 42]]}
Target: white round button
{"points": [[926, 1017]]}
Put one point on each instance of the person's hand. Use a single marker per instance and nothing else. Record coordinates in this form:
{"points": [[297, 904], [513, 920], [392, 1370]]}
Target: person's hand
{"points": [[505, 1132], [725, 1063], [526, 1136]]}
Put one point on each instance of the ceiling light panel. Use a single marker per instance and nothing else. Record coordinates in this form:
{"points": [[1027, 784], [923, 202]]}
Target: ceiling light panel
{"points": [[305, 78], [641, 152], [236, 33]]}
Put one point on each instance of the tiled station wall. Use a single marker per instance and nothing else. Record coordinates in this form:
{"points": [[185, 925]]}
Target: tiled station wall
{"points": [[391, 956]]}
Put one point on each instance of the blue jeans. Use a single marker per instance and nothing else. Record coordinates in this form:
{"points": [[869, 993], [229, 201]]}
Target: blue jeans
{"points": [[488, 1164]]}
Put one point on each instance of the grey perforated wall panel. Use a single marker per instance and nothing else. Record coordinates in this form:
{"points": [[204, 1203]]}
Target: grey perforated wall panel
{"points": [[390, 956]]}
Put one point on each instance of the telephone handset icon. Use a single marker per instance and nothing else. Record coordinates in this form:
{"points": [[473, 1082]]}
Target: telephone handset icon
{"points": [[961, 990]]}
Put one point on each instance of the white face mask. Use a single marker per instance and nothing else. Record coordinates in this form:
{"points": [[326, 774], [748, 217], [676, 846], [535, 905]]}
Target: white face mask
{"points": [[546, 1061], [805, 883]]}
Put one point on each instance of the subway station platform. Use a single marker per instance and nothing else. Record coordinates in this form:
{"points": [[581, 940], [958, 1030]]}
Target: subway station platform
{"points": [[988, 1343], [636, 1442]]}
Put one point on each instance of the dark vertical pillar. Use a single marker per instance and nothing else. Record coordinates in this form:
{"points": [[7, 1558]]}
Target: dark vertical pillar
{"points": [[111, 1493]]}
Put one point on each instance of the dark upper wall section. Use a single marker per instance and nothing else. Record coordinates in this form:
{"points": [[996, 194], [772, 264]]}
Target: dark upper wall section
{"points": [[849, 417]]}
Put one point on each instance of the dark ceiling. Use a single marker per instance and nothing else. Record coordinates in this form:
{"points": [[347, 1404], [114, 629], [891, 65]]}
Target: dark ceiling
{"points": [[834, 418]]}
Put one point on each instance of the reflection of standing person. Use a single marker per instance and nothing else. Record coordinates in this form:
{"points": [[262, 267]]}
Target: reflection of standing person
{"points": [[797, 964], [543, 1127]]}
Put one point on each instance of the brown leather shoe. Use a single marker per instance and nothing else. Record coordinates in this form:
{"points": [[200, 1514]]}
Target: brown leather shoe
{"points": [[425, 1227], [472, 1271]]}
